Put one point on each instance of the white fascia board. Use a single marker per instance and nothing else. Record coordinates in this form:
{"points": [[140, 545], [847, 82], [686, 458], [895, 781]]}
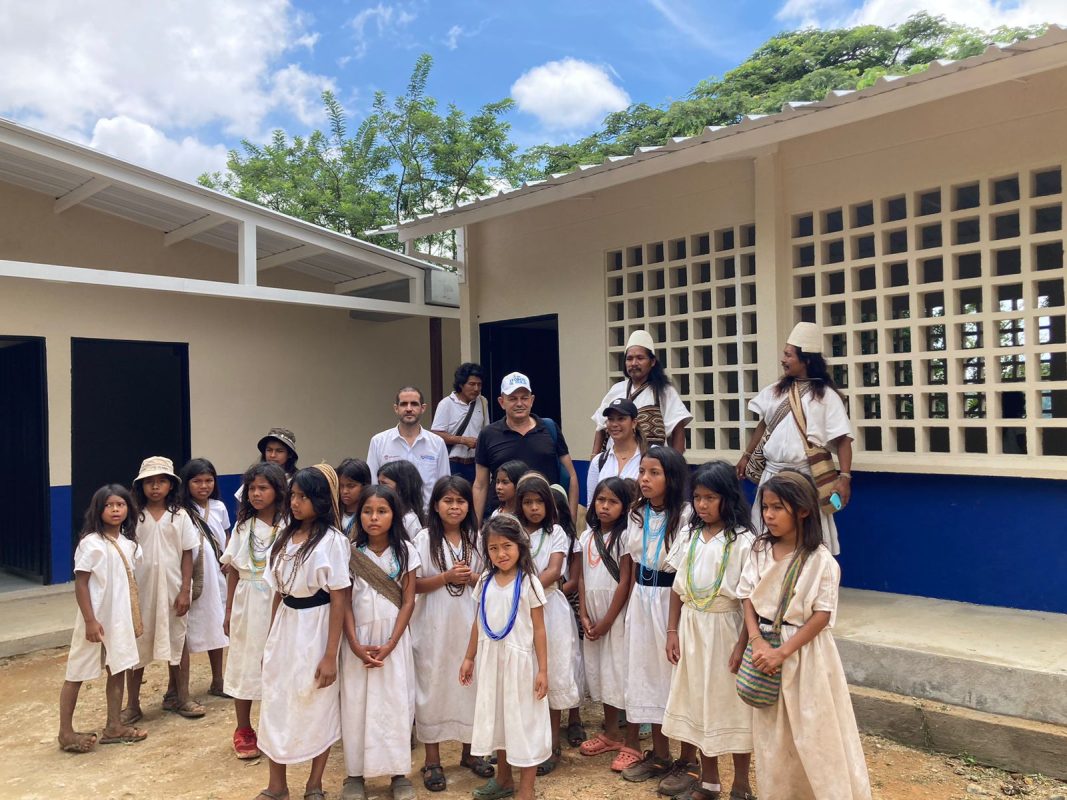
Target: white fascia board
{"points": [[55, 273], [741, 141]]}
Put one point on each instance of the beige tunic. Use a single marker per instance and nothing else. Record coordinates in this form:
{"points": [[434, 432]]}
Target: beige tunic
{"points": [[811, 731], [159, 578]]}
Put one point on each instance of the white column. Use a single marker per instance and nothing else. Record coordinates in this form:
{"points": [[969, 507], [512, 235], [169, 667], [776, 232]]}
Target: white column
{"points": [[246, 253], [773, 285]]}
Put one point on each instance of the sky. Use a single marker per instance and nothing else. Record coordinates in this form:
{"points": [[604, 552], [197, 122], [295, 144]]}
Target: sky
{"points": [[174, 84]]}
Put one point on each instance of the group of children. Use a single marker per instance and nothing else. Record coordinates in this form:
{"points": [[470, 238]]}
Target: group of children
{"points": [[346, 603]]}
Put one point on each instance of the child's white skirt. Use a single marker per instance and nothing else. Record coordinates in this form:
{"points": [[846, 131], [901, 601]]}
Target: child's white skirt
{"points": [[648, 676], [563, 655], [605, 658], [249, 624]]}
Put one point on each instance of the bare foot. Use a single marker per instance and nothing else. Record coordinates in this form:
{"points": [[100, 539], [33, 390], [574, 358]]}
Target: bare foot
{"points": [[77, 742]]}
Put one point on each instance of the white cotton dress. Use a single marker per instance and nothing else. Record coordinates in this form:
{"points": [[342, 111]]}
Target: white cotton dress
{"points": [[250, 614], [412, 525], [648, 675], [378, 705], [507, 714], [605, 658], [560, 627], [441, 624], [703, 707], [109, 595], [209, 609], [297, 720], [159, 579], [810, 734], [827, 420]]}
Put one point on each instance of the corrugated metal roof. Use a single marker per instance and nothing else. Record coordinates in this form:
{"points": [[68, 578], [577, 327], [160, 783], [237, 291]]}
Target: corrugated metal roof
{"points": [[1055, 35]]}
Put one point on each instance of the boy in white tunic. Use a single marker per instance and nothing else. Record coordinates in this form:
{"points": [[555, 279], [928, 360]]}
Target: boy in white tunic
{"points": [[377, 670], [705, 631], [169, 541], [806, 745], [108, 620]]}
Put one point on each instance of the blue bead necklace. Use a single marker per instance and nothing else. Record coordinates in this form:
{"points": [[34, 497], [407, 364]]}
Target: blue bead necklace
{"points": [[396, 564], [512, 615], [648, 574]]}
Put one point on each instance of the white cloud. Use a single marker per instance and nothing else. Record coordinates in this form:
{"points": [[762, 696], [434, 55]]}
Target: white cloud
{"points": [[682, 19], [301, 93], [568, 94], [200, 63], [381, 20], [983, 14], [142, 144], [452, 37]]}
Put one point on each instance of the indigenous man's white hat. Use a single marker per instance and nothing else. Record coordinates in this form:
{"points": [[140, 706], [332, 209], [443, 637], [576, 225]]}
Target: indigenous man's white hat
{"points": [[641, 339], [807, 336], [513, 382]]}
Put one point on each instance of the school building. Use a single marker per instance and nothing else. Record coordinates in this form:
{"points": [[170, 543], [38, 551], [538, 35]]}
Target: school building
{"points": [[918, 221], [141, 315]]}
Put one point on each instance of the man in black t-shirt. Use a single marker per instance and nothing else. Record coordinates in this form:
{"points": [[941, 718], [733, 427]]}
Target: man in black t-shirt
{"points": [[521, 435]]}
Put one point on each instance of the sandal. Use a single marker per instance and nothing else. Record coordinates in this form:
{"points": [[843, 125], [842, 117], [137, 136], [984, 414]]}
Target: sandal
{"points": [[599, 744], [353, 788], [626, 757], [271, 795], [190, 710], [83, 743], [576, 734], [478, 765], [549, 764], [219, 693], [433, 778], [170, 702], [128, 735], [401, 788], [315, 794], [127, 717], [493, 791]]}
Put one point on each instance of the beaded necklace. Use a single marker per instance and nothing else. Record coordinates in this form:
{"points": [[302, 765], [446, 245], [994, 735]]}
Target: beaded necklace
{"points": [[591, 550], [540, 543], [701, 597], [647, 574], [512, 615], [396, 562], [285, 587], [463, 555], [258, 555]]}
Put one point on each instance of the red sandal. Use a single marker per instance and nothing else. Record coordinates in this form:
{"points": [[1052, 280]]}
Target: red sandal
{"points": [[245, 743]]}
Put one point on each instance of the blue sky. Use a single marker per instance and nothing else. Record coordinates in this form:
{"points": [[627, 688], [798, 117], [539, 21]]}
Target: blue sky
{"points": [[173, 84]]}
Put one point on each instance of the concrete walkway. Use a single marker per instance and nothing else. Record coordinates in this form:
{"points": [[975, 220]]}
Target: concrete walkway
{"points": [[36, 619]]}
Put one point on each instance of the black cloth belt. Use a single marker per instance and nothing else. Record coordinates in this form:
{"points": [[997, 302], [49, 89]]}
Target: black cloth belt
{"points": [[657, 577], [320, 598]]}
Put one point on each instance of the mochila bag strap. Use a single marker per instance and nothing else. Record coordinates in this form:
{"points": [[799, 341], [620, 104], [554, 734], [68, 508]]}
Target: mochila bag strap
{"points": [[757, 461], [820, 462], [135, 596], [363, 565], [467, 419]]}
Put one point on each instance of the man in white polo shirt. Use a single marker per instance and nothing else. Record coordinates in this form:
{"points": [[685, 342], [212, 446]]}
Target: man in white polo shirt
{"points": [[410, 441], [460, 417]]}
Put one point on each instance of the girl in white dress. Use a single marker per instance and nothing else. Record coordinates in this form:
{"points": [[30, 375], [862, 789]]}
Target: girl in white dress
{"points": [[248, 596], [450, 566], [604, 588], [169, 542], [706, 633], [655, 521], [200, 499], [377, 669], [403, 478], [105, 629], [572, 575], [808, 738], [550, 548], [506, 479], [352, 475], [300, 714], [508, 637]]}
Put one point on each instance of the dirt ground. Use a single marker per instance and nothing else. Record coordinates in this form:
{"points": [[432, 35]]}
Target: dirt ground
{"points": [[193, 758]]}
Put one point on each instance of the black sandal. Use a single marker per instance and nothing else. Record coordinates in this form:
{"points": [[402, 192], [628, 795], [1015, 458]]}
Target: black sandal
{"points": [[433, 778], [549, 764], [478, 765], [576, 734]]}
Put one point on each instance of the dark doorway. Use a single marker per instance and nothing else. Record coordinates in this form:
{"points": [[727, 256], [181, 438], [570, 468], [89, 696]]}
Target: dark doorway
{"points": [[530, 346], [129, 400], [25, 536]]}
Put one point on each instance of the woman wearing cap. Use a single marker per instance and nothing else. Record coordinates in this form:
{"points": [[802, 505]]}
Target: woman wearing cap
{"points": [[626, 445], [661, 413], [827, 421]]}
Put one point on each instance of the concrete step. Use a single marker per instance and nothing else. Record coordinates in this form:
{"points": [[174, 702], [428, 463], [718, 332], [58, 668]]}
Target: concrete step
{"points": [[36, 619], [996, 660], [1010, 743]]}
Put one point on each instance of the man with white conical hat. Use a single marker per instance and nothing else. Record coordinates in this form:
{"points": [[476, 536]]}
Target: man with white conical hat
{"points": [[661, 414]]}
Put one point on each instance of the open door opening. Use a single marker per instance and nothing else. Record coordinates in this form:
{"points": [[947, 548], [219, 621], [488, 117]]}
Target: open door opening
{"points": [[531, 346]]}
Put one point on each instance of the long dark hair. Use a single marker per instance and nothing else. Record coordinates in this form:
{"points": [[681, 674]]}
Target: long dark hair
{"points": [[355, 469], [408, 486], [468, 528], [317, 489], [290, 460], [273, 475], [721, 478], [197, 466], [95, 512], [676, 472], [508, 527], [657, 376], [171, 502], [563, 515], [398, 535], [818, 374], [536, 483], [621, 489], [797, 491], [464, 372]]}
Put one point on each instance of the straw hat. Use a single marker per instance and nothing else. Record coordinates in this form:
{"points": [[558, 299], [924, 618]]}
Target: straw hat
{"points": [[283, 435], [331, 478], [157, 465], [807, 336], [641, 339]]}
